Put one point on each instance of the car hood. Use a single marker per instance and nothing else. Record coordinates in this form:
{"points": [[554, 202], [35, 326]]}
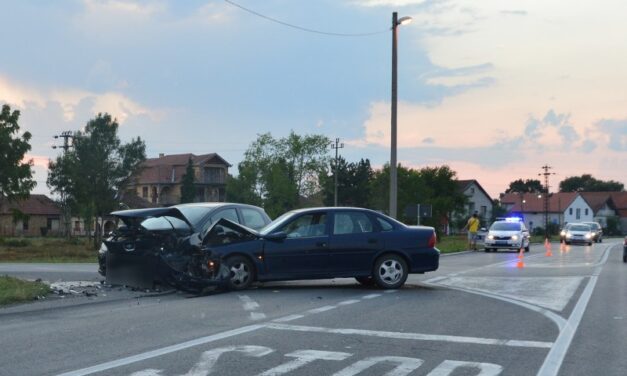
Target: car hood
{"points": [[135, 216], [578, 232], [503, 233]]}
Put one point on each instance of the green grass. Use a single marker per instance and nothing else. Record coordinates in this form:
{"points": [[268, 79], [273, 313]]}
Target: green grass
{"points": [[13, 290], [46, 250], [452, 243]]}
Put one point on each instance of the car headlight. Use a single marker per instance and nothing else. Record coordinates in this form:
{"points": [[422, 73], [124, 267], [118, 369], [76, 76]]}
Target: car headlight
{"points": [[514, 237], [588, 236], [568, 235], [491, 237], [563, 233]]}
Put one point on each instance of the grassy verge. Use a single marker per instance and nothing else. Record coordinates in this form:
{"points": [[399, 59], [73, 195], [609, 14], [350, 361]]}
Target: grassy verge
{"points": [[13, 290], [452, 243], [46, 250]]}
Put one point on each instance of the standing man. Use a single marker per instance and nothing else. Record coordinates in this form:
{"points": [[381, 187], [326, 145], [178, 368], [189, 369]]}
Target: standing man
{"points": [[473, 226]]}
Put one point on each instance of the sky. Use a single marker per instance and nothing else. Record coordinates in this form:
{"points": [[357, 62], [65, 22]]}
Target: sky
{"points": [[494, 89]]}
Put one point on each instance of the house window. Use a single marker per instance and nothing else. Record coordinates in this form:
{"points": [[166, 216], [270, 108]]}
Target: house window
{"points": [[570, 211], [77, 225], [578, 214], [472, 191], [484, 211], [154, 195], [25, 224], [586, 211], [145, 192], [471, 207]]}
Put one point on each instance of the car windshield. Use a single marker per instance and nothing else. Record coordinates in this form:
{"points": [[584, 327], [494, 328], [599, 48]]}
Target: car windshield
{"points": [[579, 228], [593, 226], [505, 226], [165, 223], [195, 214], [276, 223]]}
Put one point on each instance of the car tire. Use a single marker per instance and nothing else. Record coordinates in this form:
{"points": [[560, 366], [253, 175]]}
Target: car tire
{"points": [[241, 272], [567, 243], [366, 281], [486, 250], [590, 244], [527, 249], [390, 271]]}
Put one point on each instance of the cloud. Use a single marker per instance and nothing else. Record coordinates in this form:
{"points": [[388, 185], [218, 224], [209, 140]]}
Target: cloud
{"points": [[514, 12], [428, 140], [615, 133]]}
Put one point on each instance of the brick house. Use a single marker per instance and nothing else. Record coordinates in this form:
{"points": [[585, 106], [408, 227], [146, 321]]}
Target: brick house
{"points": [[37, 215], [159, 180]]}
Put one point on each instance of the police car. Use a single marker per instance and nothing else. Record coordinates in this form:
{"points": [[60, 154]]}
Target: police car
{"points": [[507, 233]]}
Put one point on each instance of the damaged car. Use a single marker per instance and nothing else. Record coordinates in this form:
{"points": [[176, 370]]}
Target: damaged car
{"points": [[163, 246], [321, 243]]}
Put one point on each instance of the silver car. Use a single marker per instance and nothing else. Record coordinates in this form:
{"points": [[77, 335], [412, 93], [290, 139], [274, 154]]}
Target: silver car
{"points": [[507, 234], [579, 233]]}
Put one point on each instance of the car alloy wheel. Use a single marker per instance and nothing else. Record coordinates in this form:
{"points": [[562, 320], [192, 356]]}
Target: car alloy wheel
{"points": [[240, 272], [390, 271]]}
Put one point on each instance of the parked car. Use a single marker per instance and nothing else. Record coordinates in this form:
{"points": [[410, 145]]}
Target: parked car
{"points": [[158, 245], [597, 231], [319, 243], [563, 232], [578, 233], [507, 234]]}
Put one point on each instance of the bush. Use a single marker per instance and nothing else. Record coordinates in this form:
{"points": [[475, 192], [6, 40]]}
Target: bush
{"points": [[15, 242]]}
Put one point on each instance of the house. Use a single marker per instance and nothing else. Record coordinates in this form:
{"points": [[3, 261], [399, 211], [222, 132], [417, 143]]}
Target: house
{"points": [[566, 207], [478, 199], [160, 179], [37, 215], [619, 199]]}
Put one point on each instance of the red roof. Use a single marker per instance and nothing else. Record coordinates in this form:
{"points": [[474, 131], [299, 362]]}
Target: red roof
{"points": [[171, 168], [619, 199], [33, 205], [558, 201]]}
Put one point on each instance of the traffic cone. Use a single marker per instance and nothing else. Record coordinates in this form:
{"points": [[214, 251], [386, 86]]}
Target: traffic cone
{"points": [[547, 245], [520, 264]]}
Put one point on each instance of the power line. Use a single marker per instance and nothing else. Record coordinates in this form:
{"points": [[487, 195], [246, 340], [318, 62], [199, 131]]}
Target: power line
{"points": [[304, 28]]}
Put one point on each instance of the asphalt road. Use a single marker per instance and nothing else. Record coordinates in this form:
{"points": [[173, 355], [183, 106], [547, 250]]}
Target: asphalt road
{"points": [[478, 315]]}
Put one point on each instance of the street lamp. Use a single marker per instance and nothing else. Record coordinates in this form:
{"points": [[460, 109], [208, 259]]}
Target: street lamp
{"points": [[393, 173]]}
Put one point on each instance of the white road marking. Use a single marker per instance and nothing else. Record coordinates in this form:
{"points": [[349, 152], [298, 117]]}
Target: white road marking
{"points": [[548, 292], [209, 358], [249, 304], [371, 296], [288, 318], [555, 358], [322, 309], [304, 357], [413, 336], [256, 316], [390, 291], [162, 351], [348, 302], [405, 365], [447, 368]]}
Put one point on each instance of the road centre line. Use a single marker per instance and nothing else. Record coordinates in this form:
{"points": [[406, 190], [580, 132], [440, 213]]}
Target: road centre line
{"points": [[371, 296], [198, 341], [288, 318], [348, 302], [555, 358], [413, 336]]}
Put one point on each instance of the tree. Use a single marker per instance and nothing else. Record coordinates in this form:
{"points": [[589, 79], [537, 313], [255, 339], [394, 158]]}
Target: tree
{"points": [[586, 183], [298, 158], [16, 177], [527, 186], [188, 191], [95, 172], [353, 183]]}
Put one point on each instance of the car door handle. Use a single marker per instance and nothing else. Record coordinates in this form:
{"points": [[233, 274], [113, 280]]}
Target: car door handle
{"points": [[321, 244], [373, 241]]}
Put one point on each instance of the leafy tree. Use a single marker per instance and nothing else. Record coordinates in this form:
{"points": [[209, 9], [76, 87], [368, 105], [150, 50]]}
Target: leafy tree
{"points": [[353, 183], [95, 172], [298, 158], [16, 177], [586, 183], [188, 191], [527, 186]]}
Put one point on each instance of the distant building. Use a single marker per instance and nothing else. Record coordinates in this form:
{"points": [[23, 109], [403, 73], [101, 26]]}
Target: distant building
{"points": [[37, 215], [159, 180], [478, 199]]}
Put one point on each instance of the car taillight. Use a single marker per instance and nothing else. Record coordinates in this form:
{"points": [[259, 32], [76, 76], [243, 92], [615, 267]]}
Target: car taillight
{"points": [[432, 241]]}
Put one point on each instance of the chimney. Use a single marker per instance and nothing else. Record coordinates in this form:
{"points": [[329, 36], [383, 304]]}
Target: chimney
{"points": [[161, 155]]}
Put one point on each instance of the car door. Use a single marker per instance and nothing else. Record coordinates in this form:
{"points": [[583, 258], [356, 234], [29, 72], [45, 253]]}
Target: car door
{"points": [[354, 242], [303, 253]]}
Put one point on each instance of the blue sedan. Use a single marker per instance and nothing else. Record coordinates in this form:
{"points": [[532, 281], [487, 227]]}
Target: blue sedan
{"points": [[320, 243]]}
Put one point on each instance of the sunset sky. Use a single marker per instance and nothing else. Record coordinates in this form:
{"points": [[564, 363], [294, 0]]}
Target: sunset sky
{"points": [[494, 89]]}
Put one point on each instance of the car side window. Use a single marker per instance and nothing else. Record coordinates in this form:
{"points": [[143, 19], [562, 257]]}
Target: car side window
{"points": [[252, 218], [307, 226], [351, 223], [226, 233], [385, 225], [230, 214]]}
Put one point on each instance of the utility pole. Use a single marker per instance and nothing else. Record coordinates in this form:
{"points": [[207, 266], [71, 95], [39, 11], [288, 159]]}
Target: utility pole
{"points": [[336, 145], [66, 136], [546, 175]]}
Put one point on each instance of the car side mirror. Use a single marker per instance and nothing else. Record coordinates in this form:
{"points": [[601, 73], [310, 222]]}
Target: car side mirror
{"points": [[277, 236]]}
